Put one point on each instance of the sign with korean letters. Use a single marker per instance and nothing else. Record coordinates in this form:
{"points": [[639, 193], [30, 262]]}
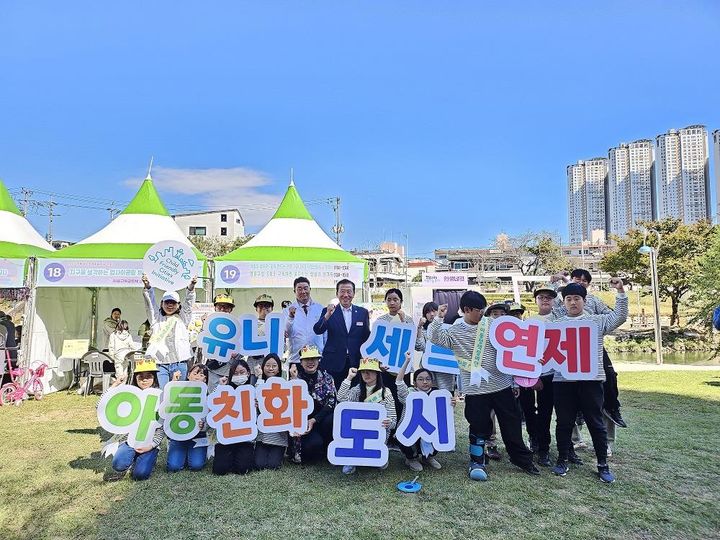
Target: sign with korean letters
{"points": [[224, 335], [533, 347]]}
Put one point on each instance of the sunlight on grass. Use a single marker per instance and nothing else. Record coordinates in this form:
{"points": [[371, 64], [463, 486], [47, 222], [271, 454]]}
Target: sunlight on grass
{"points": [[666, 463]]}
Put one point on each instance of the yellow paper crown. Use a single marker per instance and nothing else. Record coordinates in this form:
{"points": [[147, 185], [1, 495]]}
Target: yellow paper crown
{"points": [[369, 364], [224, 299], [308, 352], [145, 365]]}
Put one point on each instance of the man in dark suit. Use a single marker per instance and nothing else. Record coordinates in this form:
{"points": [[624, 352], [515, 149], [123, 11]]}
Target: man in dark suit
{"points": [[347, 327]]}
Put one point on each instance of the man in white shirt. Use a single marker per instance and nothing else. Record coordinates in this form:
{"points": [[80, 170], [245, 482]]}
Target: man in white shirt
{"points": [[300, 317]]}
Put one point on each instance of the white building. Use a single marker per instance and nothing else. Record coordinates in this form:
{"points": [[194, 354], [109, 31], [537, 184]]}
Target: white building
{"points": [[587, 212], [683, 174], [631, 176], [216, 224]]}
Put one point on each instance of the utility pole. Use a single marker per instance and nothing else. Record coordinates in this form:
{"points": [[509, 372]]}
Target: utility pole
{"points": [[26, 200], [338, 228], [51, 206]]}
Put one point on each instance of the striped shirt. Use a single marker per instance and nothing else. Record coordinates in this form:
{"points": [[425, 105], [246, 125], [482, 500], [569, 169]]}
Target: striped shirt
{"points": [[420, 336], [606, 324], [345, 393], [460, 338]]}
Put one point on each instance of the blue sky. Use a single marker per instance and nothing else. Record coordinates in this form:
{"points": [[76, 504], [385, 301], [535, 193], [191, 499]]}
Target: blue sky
{"points": [[446, 121]]}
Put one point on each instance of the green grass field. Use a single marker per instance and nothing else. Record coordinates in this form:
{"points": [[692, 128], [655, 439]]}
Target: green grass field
{"points": [[667, 466]]}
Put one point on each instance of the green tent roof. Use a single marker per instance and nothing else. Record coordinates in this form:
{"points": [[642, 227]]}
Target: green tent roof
{"points": [[146, 201], [6, 201], [292, 206]]}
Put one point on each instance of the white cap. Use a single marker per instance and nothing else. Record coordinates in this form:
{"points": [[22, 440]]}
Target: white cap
{"points": [[171, 295]]}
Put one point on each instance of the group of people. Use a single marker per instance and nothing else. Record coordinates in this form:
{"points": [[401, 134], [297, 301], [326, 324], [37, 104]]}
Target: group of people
{"points": [[324, 350]]}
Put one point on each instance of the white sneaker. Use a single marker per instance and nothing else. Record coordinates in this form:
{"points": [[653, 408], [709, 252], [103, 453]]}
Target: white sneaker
{"points": [[434, 463], [414, 464], [348, 469]]}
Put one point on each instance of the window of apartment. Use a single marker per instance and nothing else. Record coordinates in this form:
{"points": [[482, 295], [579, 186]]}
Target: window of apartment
{"points": [[223, 231], [198, 231], [237, 221], [223, 218]]}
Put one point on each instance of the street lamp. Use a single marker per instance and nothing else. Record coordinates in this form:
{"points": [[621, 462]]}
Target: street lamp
{"points": [[654, 281]]}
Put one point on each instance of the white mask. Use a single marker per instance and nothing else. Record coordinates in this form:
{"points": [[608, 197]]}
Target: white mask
{"points": [[239, 379]]}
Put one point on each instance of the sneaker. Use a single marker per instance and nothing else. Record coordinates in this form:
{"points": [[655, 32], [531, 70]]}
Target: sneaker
{"points": [[414, 464], [544, 459], [493, 453], [296, 458], [574, 458], [477, 471], [531, 469], [348, 469], [113, 475], [615, 417], [561, 468], [605, 474], [434, 463]]}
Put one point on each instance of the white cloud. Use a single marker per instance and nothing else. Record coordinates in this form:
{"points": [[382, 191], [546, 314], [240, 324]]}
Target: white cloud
{"points": [[236, 187]]}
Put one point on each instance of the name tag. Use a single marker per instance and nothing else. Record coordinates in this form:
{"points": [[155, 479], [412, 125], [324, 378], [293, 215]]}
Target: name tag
{"points": [[360, 323]]}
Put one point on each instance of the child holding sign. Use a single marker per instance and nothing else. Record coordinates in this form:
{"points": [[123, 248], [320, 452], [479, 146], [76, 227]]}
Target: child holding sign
{"points": [[170, 340], [485, 387], [189, 452], [269, 447], [586, 396], [369, 390], [142, 460], [238, 458], [424, 382]]}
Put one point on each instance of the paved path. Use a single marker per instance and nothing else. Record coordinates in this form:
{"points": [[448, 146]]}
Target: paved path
{"points": [[638, 366]]}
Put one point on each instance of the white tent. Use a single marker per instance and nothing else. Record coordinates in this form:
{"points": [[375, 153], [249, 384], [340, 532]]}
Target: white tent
{"points": [[291, 244], [79, 286], [18, 241]]}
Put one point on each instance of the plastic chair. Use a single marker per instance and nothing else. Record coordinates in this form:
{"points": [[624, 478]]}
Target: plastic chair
{"points": [[94, 360], [132, 357]]}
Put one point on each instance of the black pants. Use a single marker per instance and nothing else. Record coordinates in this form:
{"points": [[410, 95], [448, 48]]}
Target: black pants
{"points": [[529, 410], [268, 456], [585, 396], [507, 411], [543, 419], [235, 458], [314, 444], [610, 387], [414, 451]]}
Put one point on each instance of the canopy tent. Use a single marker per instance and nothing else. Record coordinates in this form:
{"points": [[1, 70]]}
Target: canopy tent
{"points": [[291, 244], [80, 285], [18, 241]]}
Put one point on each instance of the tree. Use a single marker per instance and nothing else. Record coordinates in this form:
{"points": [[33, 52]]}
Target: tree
{"points": [[214, 247], [678, 258], [705, 283], [535, 254]]}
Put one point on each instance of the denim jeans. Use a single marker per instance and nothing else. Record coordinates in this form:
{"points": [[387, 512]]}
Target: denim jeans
{"points": [[165, 372], [185, 452], [144, 463]]}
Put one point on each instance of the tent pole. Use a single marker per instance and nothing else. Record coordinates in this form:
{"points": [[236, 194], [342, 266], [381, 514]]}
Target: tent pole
{"points": [[93, 318], [29, 312]]}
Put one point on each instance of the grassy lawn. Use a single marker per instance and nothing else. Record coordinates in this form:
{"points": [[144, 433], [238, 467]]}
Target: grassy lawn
{"points": [[666, 462]]}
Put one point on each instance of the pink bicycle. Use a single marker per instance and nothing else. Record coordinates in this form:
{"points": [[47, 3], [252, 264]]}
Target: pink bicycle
{"points": [[15, 391]]}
